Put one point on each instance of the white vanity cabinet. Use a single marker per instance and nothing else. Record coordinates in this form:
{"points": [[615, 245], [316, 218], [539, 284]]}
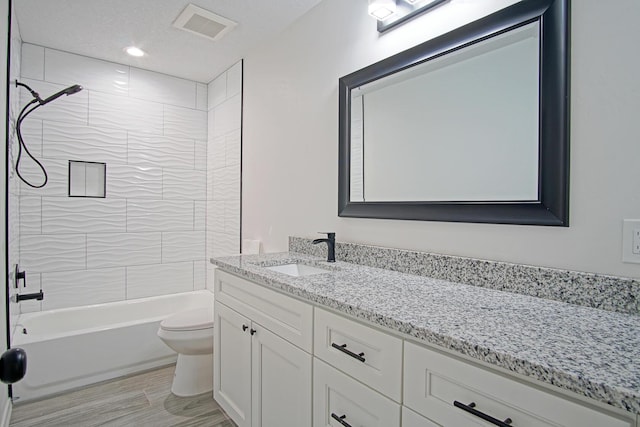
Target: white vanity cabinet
{"points": [[262, 373]]}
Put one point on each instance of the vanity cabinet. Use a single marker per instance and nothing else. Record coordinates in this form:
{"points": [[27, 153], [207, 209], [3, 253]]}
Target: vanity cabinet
{"points": [[261, 378]]}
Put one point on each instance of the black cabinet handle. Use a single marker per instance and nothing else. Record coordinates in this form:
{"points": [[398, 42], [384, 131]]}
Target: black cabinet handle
{"points": [[340, 419], [470, 409], [343, 348], [253, 331], [244, 327]]}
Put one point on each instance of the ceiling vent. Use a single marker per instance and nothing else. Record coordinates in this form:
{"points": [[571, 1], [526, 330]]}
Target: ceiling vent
{"points": [[204, 23]]}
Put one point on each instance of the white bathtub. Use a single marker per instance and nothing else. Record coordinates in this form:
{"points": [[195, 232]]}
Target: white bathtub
{"points": [[72, 347]]}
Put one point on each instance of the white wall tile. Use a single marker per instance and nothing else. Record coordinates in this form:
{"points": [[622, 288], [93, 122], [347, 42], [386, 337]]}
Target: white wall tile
{"points": [[77, 288], [161, 151], [162, 88], [201, 96], [183, 246], [160, 215], [32, 62], [215, 216], [185, 122], [161, 279], [135, 182], [233, 148], [73, 142], [199, 215], [234, 80], [30, 219], [52, 252], [184, 184], [71, 109], [94, 74], [227, 117], [232, 217], [217, 91], [116, 250], [57, 171], [199, 275], [225, 244], [200, 161], [210, 280], [80, 215], [216, 153], [226, 183], [120, 112]]}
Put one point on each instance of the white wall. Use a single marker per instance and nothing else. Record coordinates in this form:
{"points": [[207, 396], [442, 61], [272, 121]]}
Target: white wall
{"points": [[223, 165], [147, 237], [290, 146]]}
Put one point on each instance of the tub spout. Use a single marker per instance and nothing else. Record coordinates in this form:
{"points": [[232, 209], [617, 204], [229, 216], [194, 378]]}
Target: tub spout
{"points": [[37, 296]]}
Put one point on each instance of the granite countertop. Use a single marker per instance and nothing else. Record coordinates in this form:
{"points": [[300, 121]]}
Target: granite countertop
{"points": [[592, 352]]}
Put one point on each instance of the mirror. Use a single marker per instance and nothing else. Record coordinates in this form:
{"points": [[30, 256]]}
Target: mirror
{"points": [[471, 126]]}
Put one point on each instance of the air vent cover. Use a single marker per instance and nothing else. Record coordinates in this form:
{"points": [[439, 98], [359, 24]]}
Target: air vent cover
{"points": [[204, 23]]}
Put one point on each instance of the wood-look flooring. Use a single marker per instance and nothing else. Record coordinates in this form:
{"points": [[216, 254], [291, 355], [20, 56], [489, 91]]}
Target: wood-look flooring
{"points": [[137, 400]]}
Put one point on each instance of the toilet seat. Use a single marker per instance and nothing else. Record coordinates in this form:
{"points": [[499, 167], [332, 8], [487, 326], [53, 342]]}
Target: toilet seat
{"points": [[190, 320]]}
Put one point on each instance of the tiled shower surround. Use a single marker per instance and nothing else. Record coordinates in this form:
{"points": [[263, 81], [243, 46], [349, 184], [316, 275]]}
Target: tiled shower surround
{"points": [[147, 236]]}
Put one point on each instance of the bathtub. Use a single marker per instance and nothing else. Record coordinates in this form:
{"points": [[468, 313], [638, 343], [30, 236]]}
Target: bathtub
{"points": [[72, 347]]}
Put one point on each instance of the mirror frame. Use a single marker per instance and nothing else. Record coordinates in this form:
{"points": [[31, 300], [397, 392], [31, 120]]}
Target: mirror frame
{"points": [[552, 206]]}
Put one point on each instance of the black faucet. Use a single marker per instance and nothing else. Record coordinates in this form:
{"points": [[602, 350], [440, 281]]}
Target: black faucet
{"points": [[37, 296], [331, 246]]}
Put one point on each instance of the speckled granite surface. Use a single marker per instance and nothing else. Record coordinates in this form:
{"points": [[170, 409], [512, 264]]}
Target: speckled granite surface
{"points": [[611, 293], [592, 352]]}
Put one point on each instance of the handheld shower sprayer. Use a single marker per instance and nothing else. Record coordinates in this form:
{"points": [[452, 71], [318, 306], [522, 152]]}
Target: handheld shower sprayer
{"points": [[28, 109]]}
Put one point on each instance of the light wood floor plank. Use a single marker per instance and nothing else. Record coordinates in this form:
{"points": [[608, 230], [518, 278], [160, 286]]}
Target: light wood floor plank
{"points": [[138, 400]]}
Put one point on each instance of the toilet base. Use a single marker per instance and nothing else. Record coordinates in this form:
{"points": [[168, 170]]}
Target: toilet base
{"points": [[193, 375]]}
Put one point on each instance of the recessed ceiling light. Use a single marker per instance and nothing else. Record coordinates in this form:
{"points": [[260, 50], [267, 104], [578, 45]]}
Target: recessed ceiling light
{"points": [[134, 51]]}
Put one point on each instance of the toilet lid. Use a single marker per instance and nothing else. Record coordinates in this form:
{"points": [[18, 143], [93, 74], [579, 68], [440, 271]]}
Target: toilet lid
{"points": [[191, 320]]}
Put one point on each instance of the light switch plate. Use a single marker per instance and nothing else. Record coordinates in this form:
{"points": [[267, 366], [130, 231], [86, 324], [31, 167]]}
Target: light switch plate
{"points": [[631, 240]]}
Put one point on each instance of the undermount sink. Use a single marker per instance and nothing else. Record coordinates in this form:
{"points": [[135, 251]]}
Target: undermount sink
{"points": [[297, 270]]}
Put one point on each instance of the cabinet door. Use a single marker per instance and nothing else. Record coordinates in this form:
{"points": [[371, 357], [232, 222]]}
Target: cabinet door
{"points": [[232, 364], [281, 382]]}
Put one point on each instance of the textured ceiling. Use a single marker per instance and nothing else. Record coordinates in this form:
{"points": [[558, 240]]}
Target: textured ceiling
{"points": [[102, 28]]}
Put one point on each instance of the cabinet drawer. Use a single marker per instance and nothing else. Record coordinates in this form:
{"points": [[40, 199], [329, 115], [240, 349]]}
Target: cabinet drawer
{"points": [[413, 419], [434, 381], [284, 316], [336, 395], [380, 363]]}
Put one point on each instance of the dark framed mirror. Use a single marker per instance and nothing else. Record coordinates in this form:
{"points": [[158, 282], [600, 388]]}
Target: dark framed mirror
{"points": [[472, 126]]}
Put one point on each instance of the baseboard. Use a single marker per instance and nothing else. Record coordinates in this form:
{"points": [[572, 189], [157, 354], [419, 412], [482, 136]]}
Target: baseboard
{"points": [[6, 413]]}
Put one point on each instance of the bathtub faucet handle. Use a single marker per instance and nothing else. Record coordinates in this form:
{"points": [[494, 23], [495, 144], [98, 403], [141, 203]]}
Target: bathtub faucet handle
{"points": [[20, 275]]}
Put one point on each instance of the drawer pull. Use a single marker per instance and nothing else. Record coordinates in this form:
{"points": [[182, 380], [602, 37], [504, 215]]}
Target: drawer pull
{"points": [[343, 348], [340, 419], [470, 409]]}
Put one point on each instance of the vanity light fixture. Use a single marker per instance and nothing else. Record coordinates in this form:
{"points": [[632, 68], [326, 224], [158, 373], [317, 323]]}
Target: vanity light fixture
{"points": [[391, 13], [134, 51], [382, 9]]}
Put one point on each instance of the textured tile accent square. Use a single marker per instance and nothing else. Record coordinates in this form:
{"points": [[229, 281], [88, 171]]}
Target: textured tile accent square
{"points": [[161, 151], [117, 250], [67, 216], [32, 62], [185, 122], [72, 142], [184, 184], [159, 215], [161, 279], [162, 88], [52, 253], [121, 112], [611, 293], [93, 74], [183, 246], [84, 287], [134, 182]]}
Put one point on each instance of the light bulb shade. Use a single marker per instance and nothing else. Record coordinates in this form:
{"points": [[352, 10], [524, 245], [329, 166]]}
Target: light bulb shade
{"points": [[382, 9]]}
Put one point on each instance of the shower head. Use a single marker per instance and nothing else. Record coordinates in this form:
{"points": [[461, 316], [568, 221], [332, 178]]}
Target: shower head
{"points": [[68, 91]]}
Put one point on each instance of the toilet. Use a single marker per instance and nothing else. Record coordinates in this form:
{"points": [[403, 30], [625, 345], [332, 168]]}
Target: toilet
{"points": [[190, 334]]}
